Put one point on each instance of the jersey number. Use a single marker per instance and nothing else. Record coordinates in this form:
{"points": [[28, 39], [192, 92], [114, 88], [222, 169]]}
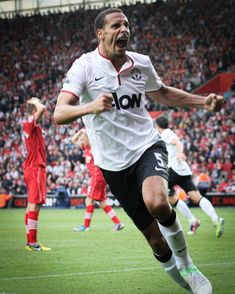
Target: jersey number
{"points": [[160, 163]]}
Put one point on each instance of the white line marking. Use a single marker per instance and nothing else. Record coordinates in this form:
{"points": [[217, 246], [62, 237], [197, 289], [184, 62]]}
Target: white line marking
{"points": [[103, 272]]}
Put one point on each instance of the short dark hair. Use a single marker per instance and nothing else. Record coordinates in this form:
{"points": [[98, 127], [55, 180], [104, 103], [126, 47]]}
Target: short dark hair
{"points": [[100, 18], [31, 108], [162, 122]]}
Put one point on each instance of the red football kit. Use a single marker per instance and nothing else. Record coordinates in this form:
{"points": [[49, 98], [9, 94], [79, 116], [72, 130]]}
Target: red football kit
{"points": [[35, 163], [97, 186]]}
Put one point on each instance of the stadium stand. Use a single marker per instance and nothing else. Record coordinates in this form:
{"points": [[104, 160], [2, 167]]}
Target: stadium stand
{"points": [[188, 43]]}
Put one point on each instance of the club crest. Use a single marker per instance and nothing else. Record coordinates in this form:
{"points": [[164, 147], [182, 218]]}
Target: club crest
{"points": [[136, 74]]}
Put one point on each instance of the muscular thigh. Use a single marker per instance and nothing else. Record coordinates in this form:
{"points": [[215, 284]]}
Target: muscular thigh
{"points": [[153, 174], [126, 185]]}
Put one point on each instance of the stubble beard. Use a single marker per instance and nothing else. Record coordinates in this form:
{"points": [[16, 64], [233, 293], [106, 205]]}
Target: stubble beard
{"points": [[118, 56]]}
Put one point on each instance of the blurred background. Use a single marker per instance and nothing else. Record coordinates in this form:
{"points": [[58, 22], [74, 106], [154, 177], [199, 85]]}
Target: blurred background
{"points": [[192, 46]]}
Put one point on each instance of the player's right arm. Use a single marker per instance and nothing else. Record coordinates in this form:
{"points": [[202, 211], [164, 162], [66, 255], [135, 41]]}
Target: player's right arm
{"points": [[174, 97], [40, 108], [67, 110]]}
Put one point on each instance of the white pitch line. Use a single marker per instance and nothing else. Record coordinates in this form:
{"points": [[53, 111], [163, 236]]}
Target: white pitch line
{"points": [[103, 272]]}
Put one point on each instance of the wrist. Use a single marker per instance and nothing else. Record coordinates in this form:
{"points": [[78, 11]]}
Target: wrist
{"points": [[88, 108]]}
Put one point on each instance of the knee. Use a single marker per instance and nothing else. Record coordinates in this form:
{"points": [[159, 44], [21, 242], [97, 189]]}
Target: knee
{"points": [[89, 201], [155, 191], [158, 206], [195, 197], [103, 204]]}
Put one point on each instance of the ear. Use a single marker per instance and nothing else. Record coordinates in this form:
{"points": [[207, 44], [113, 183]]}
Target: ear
{"points": [[100, 34]]}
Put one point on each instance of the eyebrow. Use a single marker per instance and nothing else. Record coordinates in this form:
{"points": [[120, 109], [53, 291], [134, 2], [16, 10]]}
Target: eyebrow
{"points": [[116, 22]]}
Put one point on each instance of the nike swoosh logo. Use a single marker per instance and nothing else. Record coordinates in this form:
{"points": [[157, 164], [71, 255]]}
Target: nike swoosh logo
{"points": [[179, 251], [97, 79], [160, 168]]}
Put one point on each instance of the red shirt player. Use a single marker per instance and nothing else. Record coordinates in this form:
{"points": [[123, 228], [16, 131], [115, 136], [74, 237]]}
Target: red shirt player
{"points": [[34, 171], [97, 186]]}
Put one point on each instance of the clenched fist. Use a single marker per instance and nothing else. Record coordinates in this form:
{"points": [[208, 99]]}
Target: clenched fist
{"points": [[102, 103], [214, 102]]}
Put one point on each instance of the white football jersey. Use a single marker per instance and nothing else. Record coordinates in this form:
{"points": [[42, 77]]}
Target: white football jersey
{"points": [[120, 136], [178, 165]]}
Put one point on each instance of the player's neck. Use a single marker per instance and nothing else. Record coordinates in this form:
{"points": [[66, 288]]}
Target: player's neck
{"points": [[117, 61]]}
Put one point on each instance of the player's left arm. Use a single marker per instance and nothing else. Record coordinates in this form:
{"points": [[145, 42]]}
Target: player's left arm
{"points": [[180, 148], [178, 98], [76, 138]]}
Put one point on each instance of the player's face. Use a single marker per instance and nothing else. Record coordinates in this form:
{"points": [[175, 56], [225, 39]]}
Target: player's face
{"points": [[115, 35]]}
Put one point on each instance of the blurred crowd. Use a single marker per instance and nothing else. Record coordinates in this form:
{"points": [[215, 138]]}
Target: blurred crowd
{"points": [[188, 43]]}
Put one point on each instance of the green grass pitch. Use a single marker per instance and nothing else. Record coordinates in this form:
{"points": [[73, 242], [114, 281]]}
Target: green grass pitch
{"points": [[102, 261]]}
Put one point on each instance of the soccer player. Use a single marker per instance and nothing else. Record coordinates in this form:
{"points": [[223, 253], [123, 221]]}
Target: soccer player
{"points": [[106, 87], [97, 186], [34, 171], [180, 174]]}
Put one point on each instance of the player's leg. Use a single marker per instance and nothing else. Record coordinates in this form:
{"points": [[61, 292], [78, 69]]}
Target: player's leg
{"points": [[26, 225], [35, 180], [208, 208], [154, 192], [112, 215], [163, 253], [28, 185], [32, 220], [89, 210], [101, 196], [152, 172], [90, 207], [183, 208], [184, 182], [130, 198], [171, 229], [32, 214]]}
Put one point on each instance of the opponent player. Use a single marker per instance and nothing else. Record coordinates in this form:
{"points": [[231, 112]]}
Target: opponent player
{"points": [[110, 83], [180, 174], [34, 171], [97, 186]]}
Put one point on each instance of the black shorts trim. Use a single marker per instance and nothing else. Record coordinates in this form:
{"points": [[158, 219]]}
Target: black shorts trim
{"points": [[185, 182]]}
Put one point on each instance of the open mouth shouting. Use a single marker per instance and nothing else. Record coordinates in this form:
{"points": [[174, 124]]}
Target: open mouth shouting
{"points": [[121, 43]]}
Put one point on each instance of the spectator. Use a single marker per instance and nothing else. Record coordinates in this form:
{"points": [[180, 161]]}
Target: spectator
{"points": [[62, 196], [203, 182], [178, 47], [5, 198]]}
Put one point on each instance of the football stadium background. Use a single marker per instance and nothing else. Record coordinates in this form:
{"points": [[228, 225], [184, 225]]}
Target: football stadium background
{"points": [[192, 46]]}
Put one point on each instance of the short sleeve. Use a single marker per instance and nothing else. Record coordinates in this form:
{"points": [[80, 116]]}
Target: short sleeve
{"points": [[75, 79], [29, 125], [154, 82]]}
